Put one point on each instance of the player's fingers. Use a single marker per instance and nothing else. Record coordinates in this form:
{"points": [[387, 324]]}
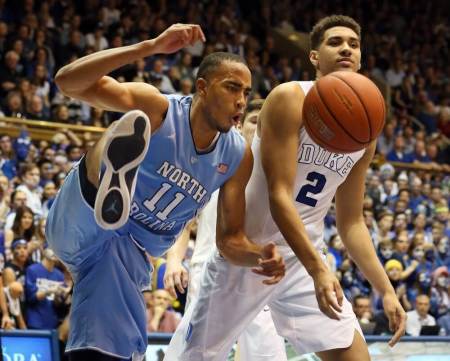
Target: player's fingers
{"points": [[332, 300], [325, 307], [177, 282], [400, 328], [271, 264], [201, 34], [273, 280], [184, 278], [170, 287], [339, 293]]}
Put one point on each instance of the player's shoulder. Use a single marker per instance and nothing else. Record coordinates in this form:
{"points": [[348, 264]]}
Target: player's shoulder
{"points": [[288, 91]]}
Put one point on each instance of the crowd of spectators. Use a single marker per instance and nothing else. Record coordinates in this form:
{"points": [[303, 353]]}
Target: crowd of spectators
{"points": [[404, 45]]}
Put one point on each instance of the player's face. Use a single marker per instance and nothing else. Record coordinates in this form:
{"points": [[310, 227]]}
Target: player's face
{"points": [[339, 50], [226, 95]]}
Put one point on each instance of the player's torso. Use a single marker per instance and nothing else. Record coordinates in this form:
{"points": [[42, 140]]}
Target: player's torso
{"points": [[319, 174], [175, 180]]}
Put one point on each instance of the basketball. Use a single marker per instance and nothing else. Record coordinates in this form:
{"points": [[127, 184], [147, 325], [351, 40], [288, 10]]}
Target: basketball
{"points": [[343, 112]]}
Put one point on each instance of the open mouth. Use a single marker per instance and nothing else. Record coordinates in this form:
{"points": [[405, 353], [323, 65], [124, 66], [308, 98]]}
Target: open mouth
{"points": [[236, 119]]}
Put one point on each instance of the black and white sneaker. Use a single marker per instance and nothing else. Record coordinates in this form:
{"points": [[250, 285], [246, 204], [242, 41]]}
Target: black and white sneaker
{"points": [[124, 151]]}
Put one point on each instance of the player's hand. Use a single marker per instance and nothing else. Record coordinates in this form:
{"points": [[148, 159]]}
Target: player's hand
{"points": [[175, 276], [7, 323], [271, 265], [396, 315], [328, 293], [177, 37]]}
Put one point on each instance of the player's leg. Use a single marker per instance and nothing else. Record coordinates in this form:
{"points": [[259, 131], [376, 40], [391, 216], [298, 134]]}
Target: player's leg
{"points": [[230, 297], [297, 316], [356, 352], [121, 149], [108, 311], [260, 340]]}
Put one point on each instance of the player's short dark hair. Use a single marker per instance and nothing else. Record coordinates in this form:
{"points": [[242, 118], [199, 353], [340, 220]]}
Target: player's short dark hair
{"points": [[318, 30], [255, 104], [212, 61]]}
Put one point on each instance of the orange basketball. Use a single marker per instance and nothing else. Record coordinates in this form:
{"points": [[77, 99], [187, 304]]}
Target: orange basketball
{"points": [[343, 112]]}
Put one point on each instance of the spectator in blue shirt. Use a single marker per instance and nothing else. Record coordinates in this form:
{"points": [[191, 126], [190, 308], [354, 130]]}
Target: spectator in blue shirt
{"points": [[44, 290]]}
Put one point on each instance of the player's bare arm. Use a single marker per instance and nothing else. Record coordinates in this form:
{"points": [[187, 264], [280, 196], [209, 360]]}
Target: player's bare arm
{"points": [[86, 78], [231, 240], [176, 276], [356, 237], [281, 121]]}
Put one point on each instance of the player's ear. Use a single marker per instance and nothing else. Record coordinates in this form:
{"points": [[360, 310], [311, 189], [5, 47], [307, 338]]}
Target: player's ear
{"points": [[200, 86], [314, 58]]}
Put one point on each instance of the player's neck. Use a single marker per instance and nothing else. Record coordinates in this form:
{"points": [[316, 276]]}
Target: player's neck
{"points": [[202, 133]]}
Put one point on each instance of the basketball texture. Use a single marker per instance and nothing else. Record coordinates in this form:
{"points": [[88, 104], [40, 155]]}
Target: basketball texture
{"points": [[343, 112]]}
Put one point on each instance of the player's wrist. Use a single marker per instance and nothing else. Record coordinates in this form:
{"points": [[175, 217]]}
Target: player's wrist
{"points": [[146, 48]]}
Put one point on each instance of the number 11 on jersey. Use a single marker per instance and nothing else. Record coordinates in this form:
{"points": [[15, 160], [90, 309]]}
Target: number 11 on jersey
{"points": [[151, 203]]}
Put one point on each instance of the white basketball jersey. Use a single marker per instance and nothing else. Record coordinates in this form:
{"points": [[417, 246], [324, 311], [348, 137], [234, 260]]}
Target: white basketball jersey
{"points": [[319, 174]]}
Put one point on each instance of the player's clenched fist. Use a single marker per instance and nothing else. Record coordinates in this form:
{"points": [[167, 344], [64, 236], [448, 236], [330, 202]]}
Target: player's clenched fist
{"points": [[271, 264], [177, 37]]}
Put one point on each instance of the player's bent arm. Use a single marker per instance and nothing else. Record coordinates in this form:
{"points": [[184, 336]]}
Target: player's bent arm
{"points": [[280, 124], [231, 240], [352, 228], [86, 79]]}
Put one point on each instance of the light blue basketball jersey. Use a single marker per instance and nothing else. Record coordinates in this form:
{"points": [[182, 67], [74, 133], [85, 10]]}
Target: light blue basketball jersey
{"points": [[110, 268], [175, 180]]}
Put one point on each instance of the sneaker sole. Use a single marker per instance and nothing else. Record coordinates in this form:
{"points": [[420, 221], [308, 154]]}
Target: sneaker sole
{"points": [[124, 151]]}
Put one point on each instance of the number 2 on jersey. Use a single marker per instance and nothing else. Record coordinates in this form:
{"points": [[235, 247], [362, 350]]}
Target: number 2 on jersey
{"points": [[164, 213], [318, 182]]}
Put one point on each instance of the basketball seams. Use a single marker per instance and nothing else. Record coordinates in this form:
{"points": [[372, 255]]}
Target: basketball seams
{"points": [[360, 101], [332, 115]]}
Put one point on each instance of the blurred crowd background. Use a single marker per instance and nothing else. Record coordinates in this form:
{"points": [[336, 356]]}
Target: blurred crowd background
{"points": [[406, 50]]}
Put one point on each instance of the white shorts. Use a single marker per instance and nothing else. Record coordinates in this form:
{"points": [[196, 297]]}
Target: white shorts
{"points": [[230, 298], [259, 341]]}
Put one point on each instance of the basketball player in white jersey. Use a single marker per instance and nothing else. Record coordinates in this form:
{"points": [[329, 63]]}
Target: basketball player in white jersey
{"points": [[259, 341], [292, 186]]}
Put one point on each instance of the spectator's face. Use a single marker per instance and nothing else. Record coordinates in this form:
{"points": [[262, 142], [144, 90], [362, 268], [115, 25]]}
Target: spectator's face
{"points": [[47, 171], [339, 50], [20, 253], [49, 190], [249, 126], [161, 298], [49, 154], [224, 95], [5, 144], [36, 104], [158, 66], [186, 86], [15, 102], [386, 222], [442, 246], [12, 59], [32, 177], [422, 305], [399, 143], [75, 154], [402, 244], [394, 274], [63, 113], [4, 183], [420, 221], [361, 307], [418, 253], [436, 194], [386, 250], [26, 221], [20, 199]]}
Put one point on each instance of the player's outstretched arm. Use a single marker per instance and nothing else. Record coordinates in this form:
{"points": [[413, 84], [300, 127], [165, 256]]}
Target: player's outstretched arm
{"points": [[176, 276], [86, 78], [356, 238], [231, 240], [280, 124]]}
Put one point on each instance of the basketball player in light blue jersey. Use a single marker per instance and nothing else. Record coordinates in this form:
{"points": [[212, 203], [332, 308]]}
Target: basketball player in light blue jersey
{"points": [[159, 164]]}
